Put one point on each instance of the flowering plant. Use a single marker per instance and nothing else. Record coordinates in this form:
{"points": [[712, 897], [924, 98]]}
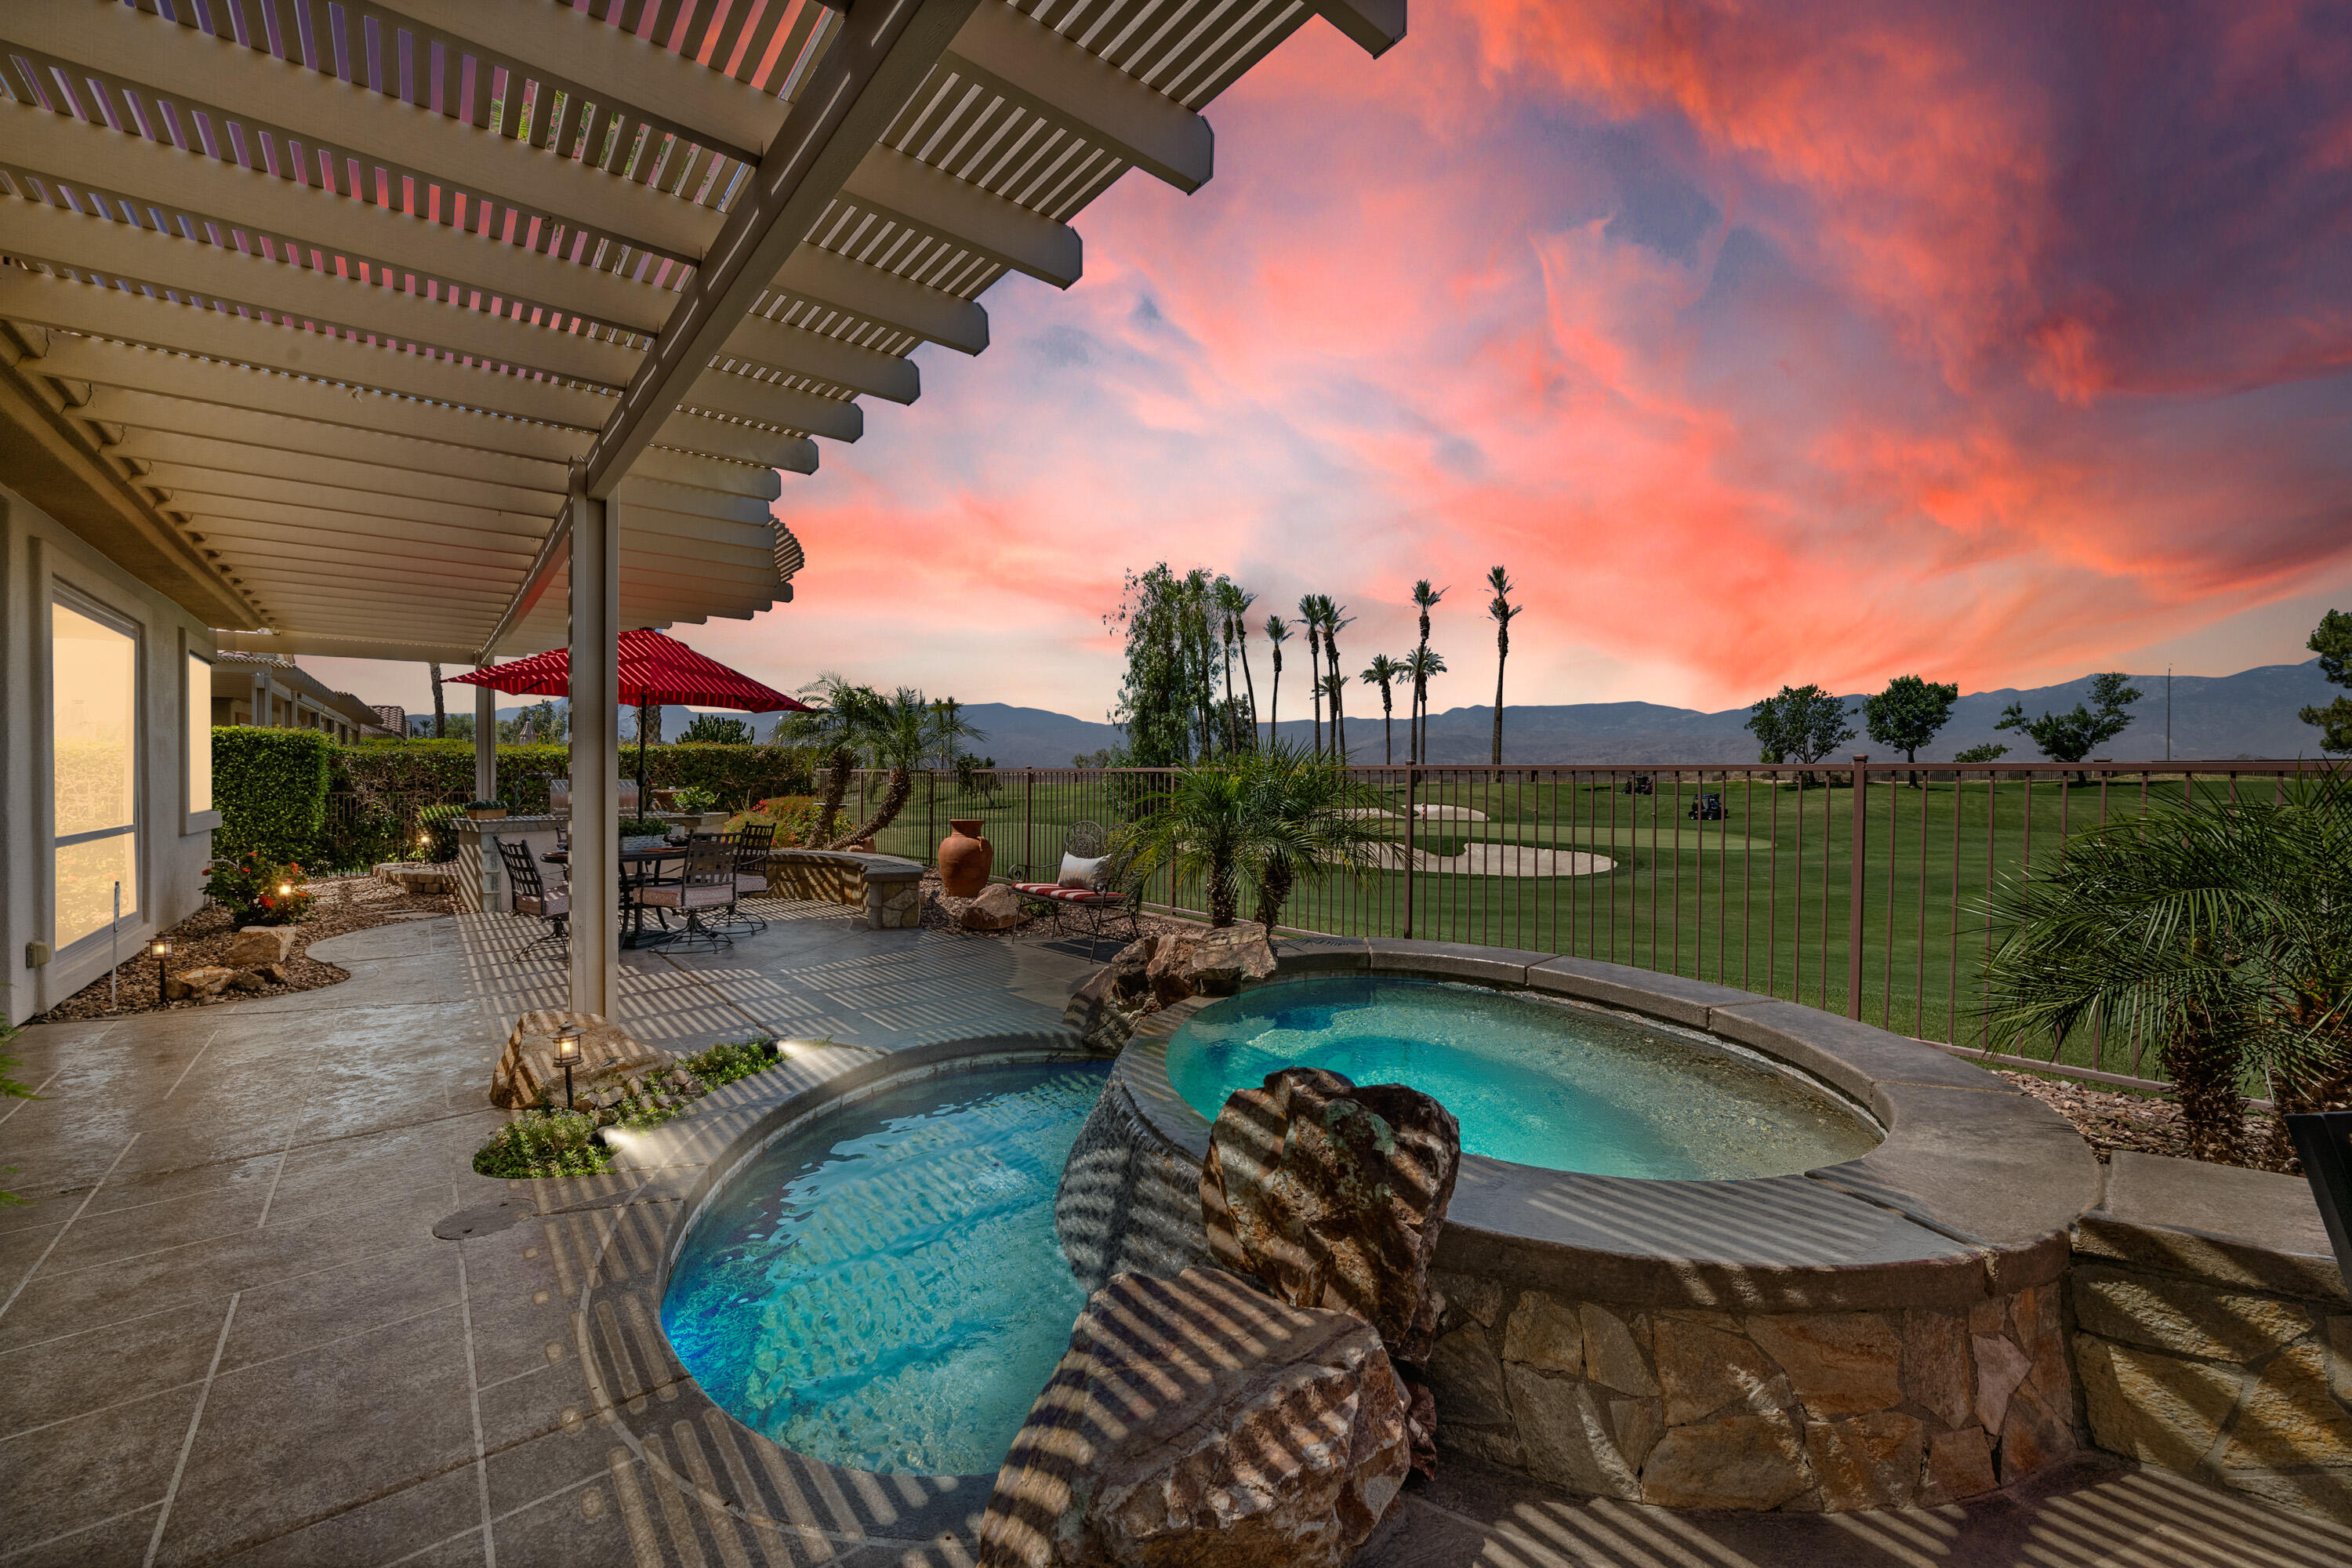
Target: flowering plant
{"points": [[260, 892]]}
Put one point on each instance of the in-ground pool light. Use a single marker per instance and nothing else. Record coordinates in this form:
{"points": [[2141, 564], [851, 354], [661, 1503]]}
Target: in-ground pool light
{"points": [[567, 1057]]}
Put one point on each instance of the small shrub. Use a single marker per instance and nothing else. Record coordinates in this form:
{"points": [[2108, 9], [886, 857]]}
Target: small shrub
{"points": [[259, 892], [542, 1143], [794, 816], [698, 800], [642, 826], [726, 1062]]}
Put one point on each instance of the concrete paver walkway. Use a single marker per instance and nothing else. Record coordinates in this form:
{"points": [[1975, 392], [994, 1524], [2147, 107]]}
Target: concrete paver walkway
{"points": [[227, 1333]]}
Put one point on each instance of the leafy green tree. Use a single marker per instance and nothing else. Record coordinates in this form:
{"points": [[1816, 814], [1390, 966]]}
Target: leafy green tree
{"points": [[1990, 752], [710, 729], [2332, 641], [1802, 724], [541, 723], [1384, 672], [2219, 930], [1907, 714], [1425, 599], [1502, 612], [2071, 737], [1167, 698]]}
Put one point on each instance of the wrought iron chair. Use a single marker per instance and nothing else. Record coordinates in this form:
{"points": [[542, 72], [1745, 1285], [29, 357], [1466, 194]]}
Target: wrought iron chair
{"points": [[705, 884], [527, 895], [1114, 894], [752, 843]]}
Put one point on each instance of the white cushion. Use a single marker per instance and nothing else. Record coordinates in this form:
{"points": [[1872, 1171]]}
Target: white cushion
{"points": [[1078, 871]]}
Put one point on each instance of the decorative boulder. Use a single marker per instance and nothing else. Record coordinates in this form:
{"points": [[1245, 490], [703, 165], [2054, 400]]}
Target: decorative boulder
{"points": [[1195, 1422], [1106, 1008], [1213, 964], [257, 946], [1334, 1196], [250, 980], [527, 1071], [998, 908], [205, 980]]}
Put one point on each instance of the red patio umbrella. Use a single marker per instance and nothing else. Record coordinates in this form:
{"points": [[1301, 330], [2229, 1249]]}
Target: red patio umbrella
{"points": [[653, 669]]}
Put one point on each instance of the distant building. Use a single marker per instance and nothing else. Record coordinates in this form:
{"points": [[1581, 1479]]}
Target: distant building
{"points": [[393, 722], [271, 690]]}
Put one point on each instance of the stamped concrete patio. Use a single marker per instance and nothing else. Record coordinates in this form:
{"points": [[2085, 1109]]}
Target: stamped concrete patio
{"points": [[229, 1333]]}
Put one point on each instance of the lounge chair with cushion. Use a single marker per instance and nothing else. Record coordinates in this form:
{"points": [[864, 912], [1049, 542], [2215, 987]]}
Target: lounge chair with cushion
{"points": [[1094, 888]]}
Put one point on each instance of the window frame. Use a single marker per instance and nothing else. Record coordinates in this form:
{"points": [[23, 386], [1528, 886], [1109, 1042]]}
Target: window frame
{"points": [[63, 594], [195, 706]]}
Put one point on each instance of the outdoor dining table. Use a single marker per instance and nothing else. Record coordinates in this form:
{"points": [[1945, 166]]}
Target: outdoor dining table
{"points": [[638, 867]]}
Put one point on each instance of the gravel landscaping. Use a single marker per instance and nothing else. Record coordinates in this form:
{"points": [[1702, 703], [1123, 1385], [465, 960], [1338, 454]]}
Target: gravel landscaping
{"points": [[345, 904], [2110, 1119]]}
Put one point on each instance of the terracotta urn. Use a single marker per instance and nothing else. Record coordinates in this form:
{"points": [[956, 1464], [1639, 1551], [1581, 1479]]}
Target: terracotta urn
{"points": [[965, 858]]}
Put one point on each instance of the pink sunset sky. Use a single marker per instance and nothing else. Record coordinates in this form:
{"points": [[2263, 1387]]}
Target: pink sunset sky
{"points": [[1762, 343]]}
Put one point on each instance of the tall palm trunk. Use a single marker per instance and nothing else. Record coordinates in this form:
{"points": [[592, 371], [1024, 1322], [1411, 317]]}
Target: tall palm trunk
{"points": [[1314, 684], [1241, 632], [1233, 736], [1417, 742], [1502, 656], [1274, 698], [1339, 727], [836, 785], [1388, 726], [894, 801], [440, 712], [2204, 1072]]}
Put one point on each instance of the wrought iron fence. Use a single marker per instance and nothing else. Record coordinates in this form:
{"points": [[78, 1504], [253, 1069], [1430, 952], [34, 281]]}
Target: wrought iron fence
{"points": [[1849, 887], [366, 827]]}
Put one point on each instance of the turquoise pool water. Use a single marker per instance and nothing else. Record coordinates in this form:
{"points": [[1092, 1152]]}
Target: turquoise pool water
{"points": [[1534, 1082], [883, 1290]]}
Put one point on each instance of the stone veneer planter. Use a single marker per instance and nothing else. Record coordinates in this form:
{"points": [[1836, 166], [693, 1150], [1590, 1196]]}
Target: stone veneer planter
{"points": [[1875, 1333], [889, 888]]}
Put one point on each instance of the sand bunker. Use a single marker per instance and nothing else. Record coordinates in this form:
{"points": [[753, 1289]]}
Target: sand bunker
{"points": [[1498, 860]]}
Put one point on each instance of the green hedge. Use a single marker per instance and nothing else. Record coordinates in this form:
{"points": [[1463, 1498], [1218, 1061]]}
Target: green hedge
{"points": [[271, 788]]}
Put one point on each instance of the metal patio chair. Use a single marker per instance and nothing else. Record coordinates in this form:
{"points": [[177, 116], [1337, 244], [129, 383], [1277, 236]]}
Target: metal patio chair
{"points": [[1116, 893], [704, 886], [527, 895]]}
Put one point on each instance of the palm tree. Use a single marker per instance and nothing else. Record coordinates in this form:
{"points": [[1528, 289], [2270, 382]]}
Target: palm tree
{"points": [[1310, 615], [837, 728], [1236, 603], [1333, 684], [440, 712], [1422, 663], [2219, 930], [1277, 632], [902, 733], [1426, 598], [1310, 817], [1502, 610], [1332, 623], [1200, 827], [1381, 673]]}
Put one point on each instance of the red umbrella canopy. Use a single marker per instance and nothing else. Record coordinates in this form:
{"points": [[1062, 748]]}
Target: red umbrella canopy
{"points": [[654, 669]]}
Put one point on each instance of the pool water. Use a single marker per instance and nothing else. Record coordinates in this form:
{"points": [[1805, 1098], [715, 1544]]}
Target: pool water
{"points": [[1531, 1081], [883, 1290]]}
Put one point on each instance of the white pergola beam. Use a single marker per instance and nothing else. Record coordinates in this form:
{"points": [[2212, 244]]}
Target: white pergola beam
{"points": [[199, 69], [255, 543], [642, 490], [193, 489], [772, 345], [213, 454], [914, 192], [158, 414], [704, 472], [746, 443], [86, 155], [206, 511], [413, 649], [1033, 66], [871, 68], [1376, 26], [723, 392], [44, 233], [883, 297], [569, 49]]}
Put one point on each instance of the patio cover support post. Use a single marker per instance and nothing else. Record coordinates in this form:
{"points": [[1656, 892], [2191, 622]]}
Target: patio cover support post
{"points": [[486, 742], [596, 571]]}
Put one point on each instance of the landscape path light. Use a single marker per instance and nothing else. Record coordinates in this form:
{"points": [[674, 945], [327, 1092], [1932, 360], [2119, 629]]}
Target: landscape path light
{"points": [[162, 948], [567, 1057]]}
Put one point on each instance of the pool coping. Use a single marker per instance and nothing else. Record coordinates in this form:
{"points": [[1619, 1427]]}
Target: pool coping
{"points": [[1971, 1195]]}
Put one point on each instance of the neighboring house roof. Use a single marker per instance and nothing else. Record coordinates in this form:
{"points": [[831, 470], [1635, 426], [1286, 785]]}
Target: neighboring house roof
{"points": [[233, 672]]}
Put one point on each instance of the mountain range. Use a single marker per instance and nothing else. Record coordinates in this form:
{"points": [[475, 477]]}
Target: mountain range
{"points": [[2214, 717]]}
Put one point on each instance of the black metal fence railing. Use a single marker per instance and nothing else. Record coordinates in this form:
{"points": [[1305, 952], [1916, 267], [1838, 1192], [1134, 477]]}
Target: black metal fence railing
{"points": [[367, 827], [1848, 887]]}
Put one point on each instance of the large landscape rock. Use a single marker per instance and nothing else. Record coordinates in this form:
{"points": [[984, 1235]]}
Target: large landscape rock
{"points": [[1334, 1196], [204, 980], [998, 908], [257, 946], [527, 1071], [1195, 1422], [1213, 964], [1106, 1008]]}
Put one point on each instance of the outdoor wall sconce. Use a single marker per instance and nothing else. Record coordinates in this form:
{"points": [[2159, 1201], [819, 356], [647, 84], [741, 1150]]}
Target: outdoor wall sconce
{"points": [[162, 948], [567, 1057]]}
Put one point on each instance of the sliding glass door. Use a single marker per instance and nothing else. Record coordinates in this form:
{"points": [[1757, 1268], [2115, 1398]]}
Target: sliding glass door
{"points": [[94, 733]]}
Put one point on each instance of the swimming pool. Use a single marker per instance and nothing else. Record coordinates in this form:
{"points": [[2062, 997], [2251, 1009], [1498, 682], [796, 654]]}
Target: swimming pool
{"points": [[883, 1289], [1531, 1081]]}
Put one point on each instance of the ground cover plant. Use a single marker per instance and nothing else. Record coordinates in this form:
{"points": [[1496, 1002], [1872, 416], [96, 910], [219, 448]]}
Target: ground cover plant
{"points": [[548, 1140]]}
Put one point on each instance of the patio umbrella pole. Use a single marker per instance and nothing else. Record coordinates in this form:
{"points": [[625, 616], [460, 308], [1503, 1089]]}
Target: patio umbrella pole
{"points": [[644, 804]]}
